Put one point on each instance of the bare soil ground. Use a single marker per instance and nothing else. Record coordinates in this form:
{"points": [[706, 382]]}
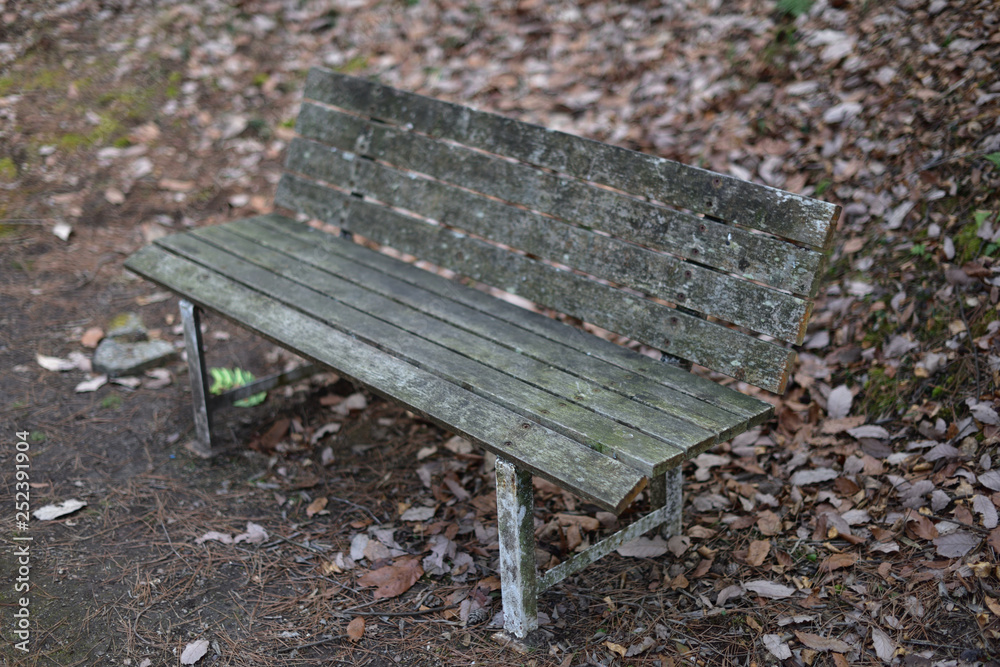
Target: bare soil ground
{"points": [[807, 542]]}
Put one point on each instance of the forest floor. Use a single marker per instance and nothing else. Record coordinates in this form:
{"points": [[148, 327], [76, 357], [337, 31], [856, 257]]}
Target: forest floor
{"points": [[859, 527]]}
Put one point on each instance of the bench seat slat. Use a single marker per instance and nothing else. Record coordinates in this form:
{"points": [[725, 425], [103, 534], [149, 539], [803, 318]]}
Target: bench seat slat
{"points": [[722, 246], [586, 344], [382, 275], [791, 216], [698, 288], [659, 424], [644, 452], [725, 350], [599, 478]]}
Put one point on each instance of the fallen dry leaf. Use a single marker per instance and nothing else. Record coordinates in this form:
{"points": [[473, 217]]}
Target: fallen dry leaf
{"points": [[616, 648], [91, 337], [994, 539], [776, 647], [678, 544], [768, 523], [644, 547], [587, 523], [956, 544], [393, 580], [838, 405], [93, 384], [54, 364], [316, 506], [769, 589], [985, 507], [50, 512], [921, 527], [837, 561], [215, 536], [255, 534], [356, 628], [885, 648], [194, 652], [818, 643], [758, 552]]}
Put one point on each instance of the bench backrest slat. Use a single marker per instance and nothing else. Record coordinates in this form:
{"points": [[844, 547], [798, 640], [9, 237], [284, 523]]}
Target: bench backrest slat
{"points": [[718, 245], [660, 326], [798, 218], [654, 273], [579, 247]]}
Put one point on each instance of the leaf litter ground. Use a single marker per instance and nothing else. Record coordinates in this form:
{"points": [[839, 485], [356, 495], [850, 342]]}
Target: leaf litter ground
{"points": [[859, 527]]}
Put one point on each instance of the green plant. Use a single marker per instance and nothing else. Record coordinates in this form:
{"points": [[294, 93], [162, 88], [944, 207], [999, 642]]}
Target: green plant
{"points": [[823, 186], [8, 170], [355, 64], [794, 8], [111, 402], [224, 379], [994, 158], [36, 436]]}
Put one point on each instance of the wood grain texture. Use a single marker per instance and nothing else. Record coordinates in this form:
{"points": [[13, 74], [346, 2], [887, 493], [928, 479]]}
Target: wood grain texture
{"points": [[607, 422], [712, 345], [446, 301], [599, 478], [587, 345], [654, 273], [802, 219]]}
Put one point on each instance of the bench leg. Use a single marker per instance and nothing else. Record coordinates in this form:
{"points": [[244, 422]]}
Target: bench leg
{"points": [[191, 320], [518, 575], [667, 490]]}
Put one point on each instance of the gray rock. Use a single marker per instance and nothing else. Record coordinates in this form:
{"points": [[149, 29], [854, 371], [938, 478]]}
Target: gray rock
{"points": [[116, 358], [127, 328]]}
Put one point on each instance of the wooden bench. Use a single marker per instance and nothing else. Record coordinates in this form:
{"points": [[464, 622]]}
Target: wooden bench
{"points": [[705, 267]]}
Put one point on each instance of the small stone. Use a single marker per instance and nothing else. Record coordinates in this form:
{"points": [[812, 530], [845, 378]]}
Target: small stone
{"points": [[127, 328], [114, 196], [116, 358]]}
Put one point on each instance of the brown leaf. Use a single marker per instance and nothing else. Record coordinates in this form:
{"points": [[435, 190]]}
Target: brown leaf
{"points": [[616, 648], [703, 567], [274, 435], [587, 523], [701, 533], [840, 661], [834, 426], [393, 580], [837, 561], [845, 487], [91, 337], [758, 552], [316, 506], [818, 643], [994, 539], [768, 523], [356, 628], [921, 527]]}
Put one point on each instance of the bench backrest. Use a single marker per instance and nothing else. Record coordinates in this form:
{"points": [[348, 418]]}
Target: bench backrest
{"points": [[682, 259]]}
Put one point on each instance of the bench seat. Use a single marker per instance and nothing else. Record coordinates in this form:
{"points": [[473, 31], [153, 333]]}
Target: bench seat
{"points": [[550, 397]]}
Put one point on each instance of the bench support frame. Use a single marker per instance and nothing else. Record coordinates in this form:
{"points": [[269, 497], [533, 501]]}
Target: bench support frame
{"points": [[203, 403], [193, 346], [520, 583]]}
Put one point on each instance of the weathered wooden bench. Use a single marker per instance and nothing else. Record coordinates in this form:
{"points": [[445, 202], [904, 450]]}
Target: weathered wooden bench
{"points": [[705, 267]]}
